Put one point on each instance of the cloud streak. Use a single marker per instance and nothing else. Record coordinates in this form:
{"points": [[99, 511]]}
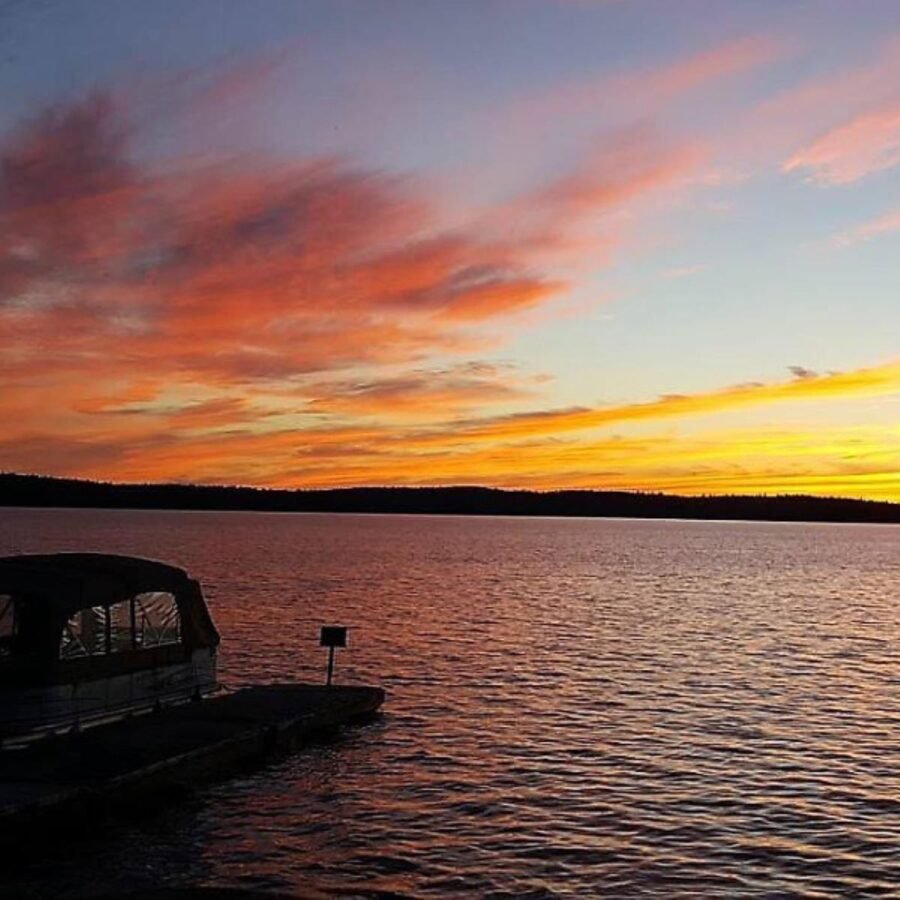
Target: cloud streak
{"points": [[885, 224], [265, 271], [866, 145], [597, 97], [232, 273], [872, 382]]}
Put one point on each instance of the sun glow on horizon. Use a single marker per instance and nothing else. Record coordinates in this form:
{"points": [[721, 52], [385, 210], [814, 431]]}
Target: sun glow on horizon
{"points": [[668, 267]]}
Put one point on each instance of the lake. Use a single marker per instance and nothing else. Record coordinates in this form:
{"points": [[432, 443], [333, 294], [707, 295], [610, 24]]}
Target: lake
{"points": [[576, 707]]}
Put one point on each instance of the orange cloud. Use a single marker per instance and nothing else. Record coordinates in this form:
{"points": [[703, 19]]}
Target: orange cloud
{"points": [[121, 283], [303, 442], [227, 275], [430, 395], [878, 381]]}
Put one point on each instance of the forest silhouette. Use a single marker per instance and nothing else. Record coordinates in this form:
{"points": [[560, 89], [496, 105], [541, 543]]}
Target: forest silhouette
{"points": [[46, 491]]}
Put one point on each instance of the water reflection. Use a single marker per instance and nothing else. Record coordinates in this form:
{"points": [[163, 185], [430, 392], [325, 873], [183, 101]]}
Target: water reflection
{"points": [[576, 707]]}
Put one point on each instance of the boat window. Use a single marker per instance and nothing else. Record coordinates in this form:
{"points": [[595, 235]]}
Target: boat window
{"points": [[84, 634], [145, 621], [156, 619], [120, 621], [7, 624]]}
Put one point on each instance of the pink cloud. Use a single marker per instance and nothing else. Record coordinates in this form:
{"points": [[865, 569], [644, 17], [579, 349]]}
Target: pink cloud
{"points": [[639, 92], [872, 81], [582, 216], [874, 228], [556, 125], [630, 164], [677, 272], [867, 144], [813, 112]]}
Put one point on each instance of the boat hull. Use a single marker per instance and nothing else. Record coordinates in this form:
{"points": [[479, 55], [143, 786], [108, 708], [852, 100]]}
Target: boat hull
{"points": [[26, 711]]}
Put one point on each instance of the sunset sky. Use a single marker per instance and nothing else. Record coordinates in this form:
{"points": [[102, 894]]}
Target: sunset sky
{"points": [[643, 245]]}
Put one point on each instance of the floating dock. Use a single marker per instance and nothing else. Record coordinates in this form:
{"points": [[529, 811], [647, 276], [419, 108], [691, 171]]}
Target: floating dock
{"points": [[145, 758]]}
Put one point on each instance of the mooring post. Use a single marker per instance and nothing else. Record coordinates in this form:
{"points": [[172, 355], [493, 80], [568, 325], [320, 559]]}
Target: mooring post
{"points": [[332, 636]]}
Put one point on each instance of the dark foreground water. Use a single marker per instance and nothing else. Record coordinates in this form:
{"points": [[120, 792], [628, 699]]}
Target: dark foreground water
{"points": [[577, 708]]}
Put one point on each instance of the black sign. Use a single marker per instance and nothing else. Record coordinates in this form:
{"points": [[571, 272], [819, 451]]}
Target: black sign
{"points": [[333, 636]]}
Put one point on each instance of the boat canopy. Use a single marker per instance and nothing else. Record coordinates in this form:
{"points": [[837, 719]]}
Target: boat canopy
{"points": [[49, 589]]}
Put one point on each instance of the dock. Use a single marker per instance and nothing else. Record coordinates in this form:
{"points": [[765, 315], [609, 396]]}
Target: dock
{"points": [[148, 757]]}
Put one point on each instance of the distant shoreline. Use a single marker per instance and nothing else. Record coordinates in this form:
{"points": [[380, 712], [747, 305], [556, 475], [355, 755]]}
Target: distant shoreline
{"points": [[39, 491]]}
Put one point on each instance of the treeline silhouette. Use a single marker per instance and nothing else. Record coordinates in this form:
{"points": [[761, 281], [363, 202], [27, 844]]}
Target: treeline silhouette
{"points": [[46, 491]]}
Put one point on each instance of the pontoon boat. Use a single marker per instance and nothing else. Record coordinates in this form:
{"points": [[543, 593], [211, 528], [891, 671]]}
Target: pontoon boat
{"points": [[88, 637]]}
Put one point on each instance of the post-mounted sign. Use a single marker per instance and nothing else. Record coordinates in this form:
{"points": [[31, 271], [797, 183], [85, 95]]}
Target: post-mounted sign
{"points": [[332, 636]]}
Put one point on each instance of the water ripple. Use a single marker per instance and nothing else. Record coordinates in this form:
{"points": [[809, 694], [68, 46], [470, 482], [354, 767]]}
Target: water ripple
{"points": [[577, 708]]}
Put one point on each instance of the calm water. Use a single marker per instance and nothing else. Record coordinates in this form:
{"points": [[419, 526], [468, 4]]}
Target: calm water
{"points": [[576, 707]]}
